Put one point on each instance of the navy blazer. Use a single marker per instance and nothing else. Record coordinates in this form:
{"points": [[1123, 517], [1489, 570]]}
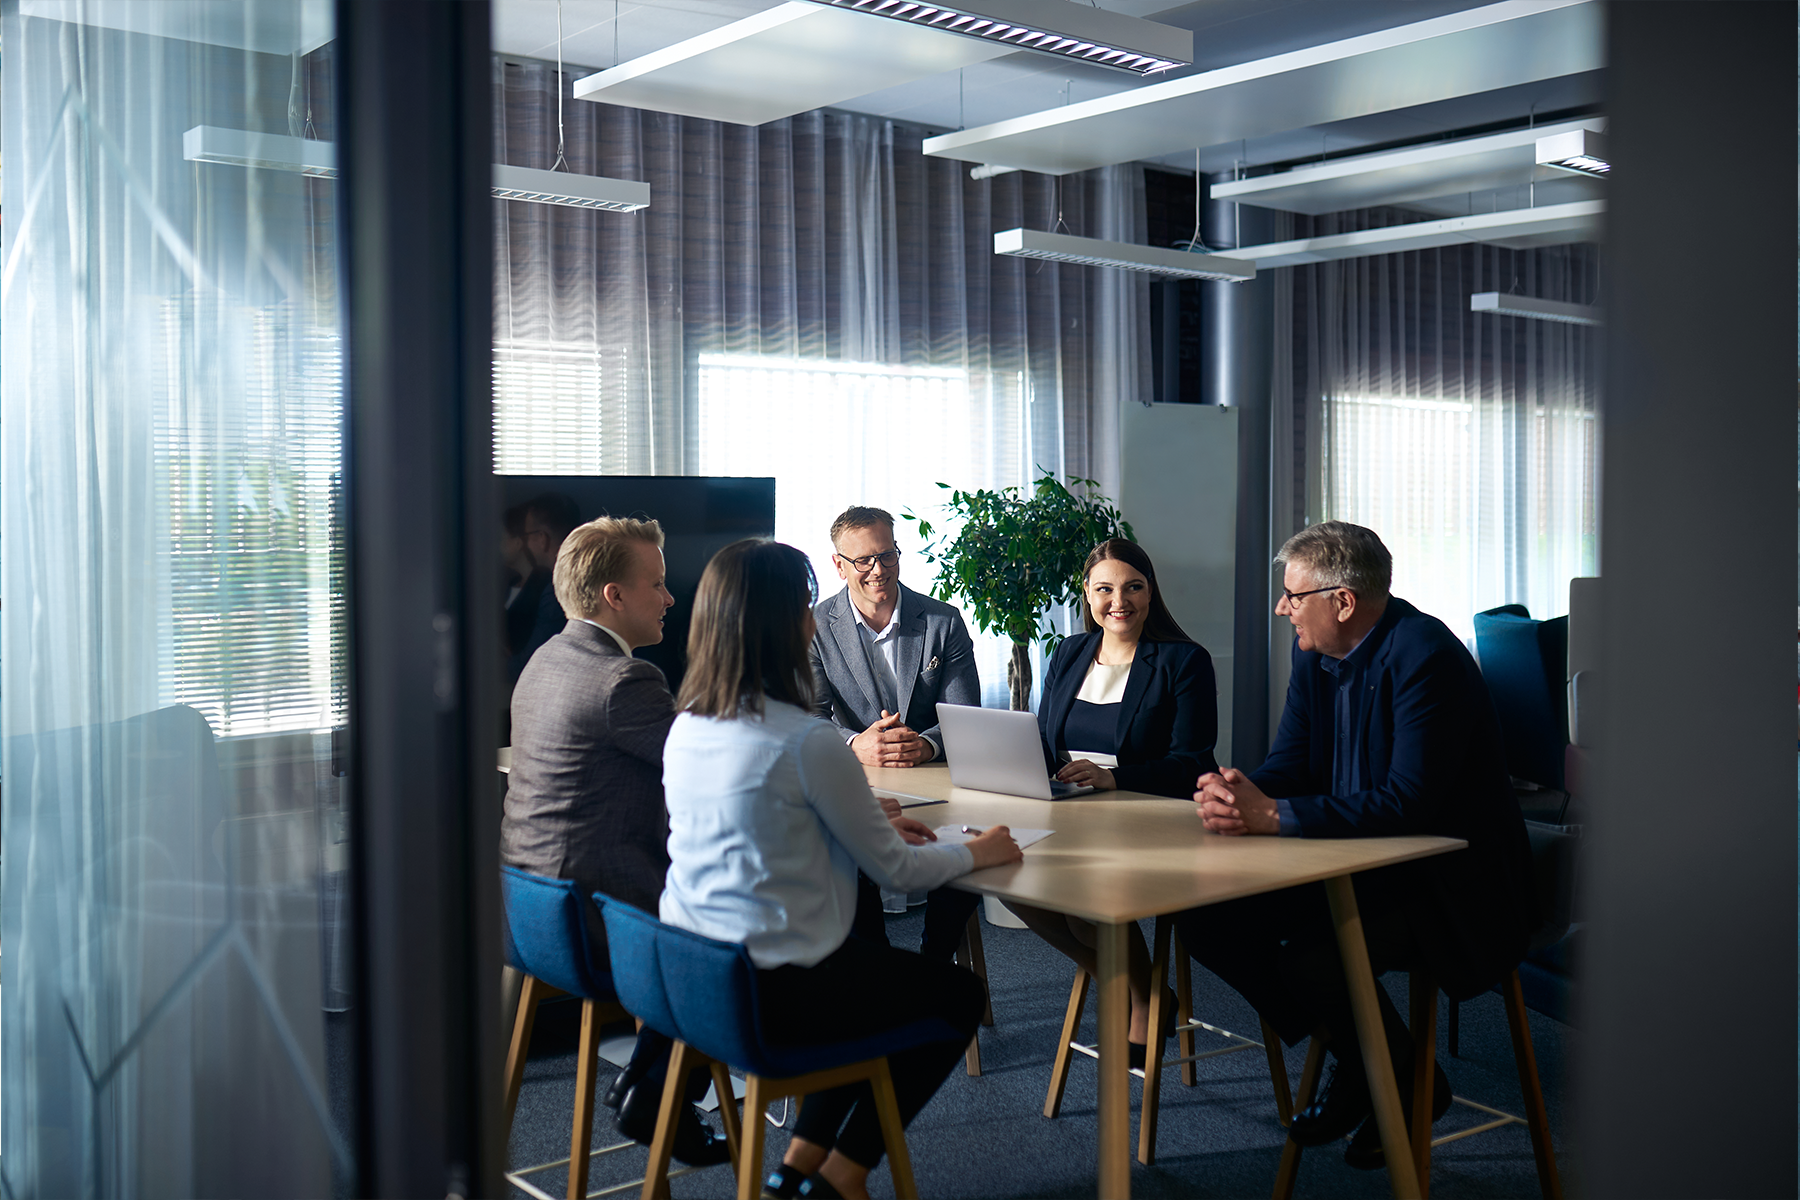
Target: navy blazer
{"points": [[1168, 721], [1433, 763]]}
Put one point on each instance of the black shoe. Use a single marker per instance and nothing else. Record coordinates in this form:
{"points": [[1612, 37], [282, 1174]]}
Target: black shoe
{"points": [[1341, 1106], [695, 1144], [817, 1187], [615, 1091], [1365, 1152], [783, 1183]]}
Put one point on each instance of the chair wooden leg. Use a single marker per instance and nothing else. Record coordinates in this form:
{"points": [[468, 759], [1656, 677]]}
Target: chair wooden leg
{"points": [[581, 1136], [1184, 1008], [1059, 1070], [750, 1154], [1423, 997], [728, 1113], [1153, 1048], [662, 1143], [967, 957], [1549, 1182], [523, 1019], [893, 1133], [978, 964], [1284, 1099], [1289, 1171]]}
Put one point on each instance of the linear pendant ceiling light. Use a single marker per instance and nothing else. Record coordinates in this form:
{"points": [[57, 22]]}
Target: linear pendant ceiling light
{"points": [[279, 152], [1515, 229], [1150, 260], [1531, 306], [1463, 53], [1091, 35], [1579, 152]]}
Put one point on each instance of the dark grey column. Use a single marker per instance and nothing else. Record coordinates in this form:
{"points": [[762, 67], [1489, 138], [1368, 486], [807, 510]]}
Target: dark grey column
{"points": [[1690, 900], [1237, 324], [416, 218]]}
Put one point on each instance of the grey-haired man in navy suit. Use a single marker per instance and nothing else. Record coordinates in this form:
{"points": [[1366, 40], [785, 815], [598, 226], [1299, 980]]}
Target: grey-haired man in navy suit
{"points": [[883, 658]]}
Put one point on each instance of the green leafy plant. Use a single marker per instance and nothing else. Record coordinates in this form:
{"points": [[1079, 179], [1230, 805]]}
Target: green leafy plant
{"points": [[1013, 554]]}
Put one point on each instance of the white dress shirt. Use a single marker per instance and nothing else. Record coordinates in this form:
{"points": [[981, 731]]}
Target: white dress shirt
{"points": [[881, 646], [769, 819]]}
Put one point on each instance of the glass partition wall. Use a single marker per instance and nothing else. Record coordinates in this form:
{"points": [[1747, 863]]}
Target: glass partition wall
{"points": [[173, 666]]}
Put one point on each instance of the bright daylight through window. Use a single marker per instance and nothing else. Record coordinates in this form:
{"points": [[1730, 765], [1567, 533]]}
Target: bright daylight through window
{"points": [[1480, 503]]}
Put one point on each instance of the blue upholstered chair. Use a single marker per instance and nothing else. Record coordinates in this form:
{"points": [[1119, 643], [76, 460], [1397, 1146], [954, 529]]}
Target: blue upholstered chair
{"points": [[543, 921], [703, 994], [1525, 666]]}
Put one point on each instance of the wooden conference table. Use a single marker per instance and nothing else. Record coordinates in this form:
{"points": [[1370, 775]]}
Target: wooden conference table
{"points": [[1123, 856]]}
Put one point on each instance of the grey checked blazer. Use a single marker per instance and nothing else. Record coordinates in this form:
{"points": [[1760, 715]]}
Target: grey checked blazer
{"points": [[585, 799], [935, 662]]}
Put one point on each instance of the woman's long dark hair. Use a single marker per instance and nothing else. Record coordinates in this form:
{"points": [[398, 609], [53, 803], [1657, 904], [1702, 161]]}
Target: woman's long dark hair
{"points": [[748, 636], [1160, 625]]}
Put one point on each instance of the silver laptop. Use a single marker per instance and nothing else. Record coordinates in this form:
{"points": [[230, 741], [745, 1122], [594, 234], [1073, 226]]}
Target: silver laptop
{"points": [[998, 750]]}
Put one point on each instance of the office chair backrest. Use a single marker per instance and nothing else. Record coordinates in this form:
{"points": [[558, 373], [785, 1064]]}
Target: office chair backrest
{"points": [[684, 985], [1523, 661], [546, 936]]}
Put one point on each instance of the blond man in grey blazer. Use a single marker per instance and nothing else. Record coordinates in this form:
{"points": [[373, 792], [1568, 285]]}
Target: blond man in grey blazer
{"points": [[584, 800]]}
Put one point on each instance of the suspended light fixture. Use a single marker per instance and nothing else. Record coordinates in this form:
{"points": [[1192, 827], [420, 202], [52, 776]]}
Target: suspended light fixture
{"points": [[1579, 152], [279, 152], [1093, 252], [1087, 34], [1530, 306]]}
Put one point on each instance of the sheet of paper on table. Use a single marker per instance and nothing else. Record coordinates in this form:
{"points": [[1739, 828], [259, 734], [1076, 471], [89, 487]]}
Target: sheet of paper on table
{"points": [[953, 835], [906, 800]]}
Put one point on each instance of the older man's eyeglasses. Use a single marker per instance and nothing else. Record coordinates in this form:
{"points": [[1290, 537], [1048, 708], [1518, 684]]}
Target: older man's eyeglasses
{"points": [[1294, 598], [865, 564]]}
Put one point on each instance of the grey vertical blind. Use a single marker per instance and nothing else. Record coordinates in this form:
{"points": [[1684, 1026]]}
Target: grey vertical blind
{"points": [[1468, 440]]}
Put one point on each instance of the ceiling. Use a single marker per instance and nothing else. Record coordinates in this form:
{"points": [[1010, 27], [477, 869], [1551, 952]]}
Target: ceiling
{"points": [[600, 33]]}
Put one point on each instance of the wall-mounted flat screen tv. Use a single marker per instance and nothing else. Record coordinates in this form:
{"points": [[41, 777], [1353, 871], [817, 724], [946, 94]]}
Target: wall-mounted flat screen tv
{"points": [[699, 515]]}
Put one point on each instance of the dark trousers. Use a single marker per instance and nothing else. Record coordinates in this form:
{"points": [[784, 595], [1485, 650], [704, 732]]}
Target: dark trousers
{"points": [[649, 1066], [1279, 951], [861, 990], [947, 913]]}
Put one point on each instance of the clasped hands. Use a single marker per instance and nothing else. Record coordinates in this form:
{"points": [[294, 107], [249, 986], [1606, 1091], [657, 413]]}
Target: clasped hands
{"points": [[890, 743], [1230, 804]]}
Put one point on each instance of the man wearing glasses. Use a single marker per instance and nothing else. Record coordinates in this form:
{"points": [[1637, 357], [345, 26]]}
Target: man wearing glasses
{"points": [[883, 658], [1388, 730]]}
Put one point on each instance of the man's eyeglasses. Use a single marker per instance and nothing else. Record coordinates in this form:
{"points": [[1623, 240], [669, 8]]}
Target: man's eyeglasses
{"points": [[1294, 598], [865, 564]]}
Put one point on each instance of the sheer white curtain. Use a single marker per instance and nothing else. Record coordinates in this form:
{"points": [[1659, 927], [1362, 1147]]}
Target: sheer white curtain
{"points": [[170, 653], [1469, 441], [815, 300]]}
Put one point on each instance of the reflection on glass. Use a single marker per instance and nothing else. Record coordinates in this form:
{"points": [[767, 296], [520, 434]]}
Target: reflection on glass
{"points": [[172, 651]]}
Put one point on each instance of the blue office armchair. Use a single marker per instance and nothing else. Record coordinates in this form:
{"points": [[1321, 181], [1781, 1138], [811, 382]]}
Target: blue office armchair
{"points": [[543, 922], [703, 993], [1525, 665]]}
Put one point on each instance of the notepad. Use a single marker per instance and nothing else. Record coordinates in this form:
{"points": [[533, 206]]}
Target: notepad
{"points": [[952, 835], [906, 799]]}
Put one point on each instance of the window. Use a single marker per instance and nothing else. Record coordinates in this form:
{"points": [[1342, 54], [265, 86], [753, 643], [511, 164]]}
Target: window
{"points": [[555, 409], [1480, 503], [256, 601]]}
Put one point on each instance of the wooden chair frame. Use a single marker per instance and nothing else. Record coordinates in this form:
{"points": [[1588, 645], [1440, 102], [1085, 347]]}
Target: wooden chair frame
{"points": [[1164, 938], [594, 1014], [969, 955], [1423, 994], [746, 1140]]}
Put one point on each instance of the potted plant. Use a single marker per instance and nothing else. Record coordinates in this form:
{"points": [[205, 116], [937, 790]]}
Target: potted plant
{"points": [[1015, 554]]}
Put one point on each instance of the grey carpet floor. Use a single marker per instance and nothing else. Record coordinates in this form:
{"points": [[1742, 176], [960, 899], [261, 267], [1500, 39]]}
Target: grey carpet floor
{"points": [[987, 1137]]}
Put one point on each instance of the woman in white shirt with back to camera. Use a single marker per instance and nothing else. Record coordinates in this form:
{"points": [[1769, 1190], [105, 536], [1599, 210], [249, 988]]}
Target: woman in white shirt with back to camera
{"points": [[770, 817]]}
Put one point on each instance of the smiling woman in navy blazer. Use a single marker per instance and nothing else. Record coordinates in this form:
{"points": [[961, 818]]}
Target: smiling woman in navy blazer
{"points": [[1130, 704]]}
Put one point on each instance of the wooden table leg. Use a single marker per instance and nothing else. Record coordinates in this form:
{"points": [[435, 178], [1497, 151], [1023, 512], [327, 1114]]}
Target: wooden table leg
{"points": [[1115, 1080], [1383, 1091]]}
